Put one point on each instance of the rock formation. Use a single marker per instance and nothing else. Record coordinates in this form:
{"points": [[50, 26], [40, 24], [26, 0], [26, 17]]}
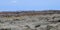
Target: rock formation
{"points": [[30, 20]]}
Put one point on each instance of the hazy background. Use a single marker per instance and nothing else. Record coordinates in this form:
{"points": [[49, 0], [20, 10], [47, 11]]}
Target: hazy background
{"points": [[20, 5]]}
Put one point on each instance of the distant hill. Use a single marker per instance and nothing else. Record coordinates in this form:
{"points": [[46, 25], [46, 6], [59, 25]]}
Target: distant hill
{"points": [[22, 13]]}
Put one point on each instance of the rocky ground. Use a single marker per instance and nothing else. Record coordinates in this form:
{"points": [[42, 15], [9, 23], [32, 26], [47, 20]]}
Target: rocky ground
{"points": [[35, 22]]}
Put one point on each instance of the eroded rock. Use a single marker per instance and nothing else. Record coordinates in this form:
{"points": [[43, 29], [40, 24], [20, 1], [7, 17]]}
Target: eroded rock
{"points": [[35, 22]]}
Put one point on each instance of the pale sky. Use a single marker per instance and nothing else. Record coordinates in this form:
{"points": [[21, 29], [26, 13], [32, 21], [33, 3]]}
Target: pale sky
{"points": [[22, 5]]}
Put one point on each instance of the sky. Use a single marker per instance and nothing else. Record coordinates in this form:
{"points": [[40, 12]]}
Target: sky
{"points": [[27, 5]]}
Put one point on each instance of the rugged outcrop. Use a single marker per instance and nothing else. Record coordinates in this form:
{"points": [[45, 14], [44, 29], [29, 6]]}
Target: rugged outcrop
{"points": [[30, 20]]}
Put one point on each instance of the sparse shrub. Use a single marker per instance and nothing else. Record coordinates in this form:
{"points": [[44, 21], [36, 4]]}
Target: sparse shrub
{"points": [[16, 20], [5, 29], [37, 26]]}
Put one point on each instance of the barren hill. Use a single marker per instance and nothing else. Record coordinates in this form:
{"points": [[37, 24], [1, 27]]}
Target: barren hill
{"points": [[23, 13]]}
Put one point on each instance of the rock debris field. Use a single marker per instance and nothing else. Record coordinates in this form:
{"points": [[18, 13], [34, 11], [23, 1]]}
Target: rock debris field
{"points": [[31, 22]]}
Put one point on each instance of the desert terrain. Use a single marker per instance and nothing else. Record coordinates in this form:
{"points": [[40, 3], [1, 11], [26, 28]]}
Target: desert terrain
{"points": [[30, 20]]}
